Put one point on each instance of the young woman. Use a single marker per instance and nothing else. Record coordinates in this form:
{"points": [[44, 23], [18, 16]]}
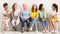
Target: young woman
{"points": [[34, 15], [15, 16], [25, 15], [6, 19], [54, 18], [43, 18]]}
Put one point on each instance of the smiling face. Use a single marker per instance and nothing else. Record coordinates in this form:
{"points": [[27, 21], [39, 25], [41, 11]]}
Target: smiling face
{"points": [[25, 6], [6, 7], [42, 7], [16, 6], [53, 8], [35, 6]]}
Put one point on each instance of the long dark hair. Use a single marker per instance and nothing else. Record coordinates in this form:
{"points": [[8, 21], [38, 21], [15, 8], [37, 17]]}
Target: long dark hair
{"points": [[40, 6], [32, 9], [13, 9], [56, 6]]}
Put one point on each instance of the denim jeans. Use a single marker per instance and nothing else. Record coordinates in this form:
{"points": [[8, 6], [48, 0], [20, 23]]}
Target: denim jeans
{"points": [[34, 22], [44, 23], [23, 23]]}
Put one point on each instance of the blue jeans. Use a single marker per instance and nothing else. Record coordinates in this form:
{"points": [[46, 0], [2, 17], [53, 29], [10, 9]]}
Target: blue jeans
{"points": [[34, 22], [44, 23], [23, 23]]}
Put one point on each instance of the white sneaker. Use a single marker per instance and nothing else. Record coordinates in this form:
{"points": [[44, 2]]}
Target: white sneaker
{"points": [[53, 31], [31, 29], [56, 31], [43, 31]]}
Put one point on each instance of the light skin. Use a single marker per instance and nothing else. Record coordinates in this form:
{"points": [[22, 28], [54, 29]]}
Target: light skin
{"points": [[34, 18], [24, 8], [16, 7], [52, 21], [44, 29], [43, 11], [34, 10]]}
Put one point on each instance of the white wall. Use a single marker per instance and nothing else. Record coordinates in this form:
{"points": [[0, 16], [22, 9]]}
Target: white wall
{"points": [[47, 4]]}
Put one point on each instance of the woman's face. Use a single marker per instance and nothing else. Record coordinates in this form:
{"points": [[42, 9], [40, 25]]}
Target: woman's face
{"points": [[16, 6], [6, 7], [53, 8], [24, 6], [35, 6], [42, 7]]}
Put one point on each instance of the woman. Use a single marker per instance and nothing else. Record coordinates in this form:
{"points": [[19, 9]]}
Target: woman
{"points": [[15, 16], [54, 18], [34, 15], [6, 19], [25, 15], [43, 18]]}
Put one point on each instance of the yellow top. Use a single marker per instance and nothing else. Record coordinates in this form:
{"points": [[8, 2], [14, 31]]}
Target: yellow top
{"points": [[34, 14]]}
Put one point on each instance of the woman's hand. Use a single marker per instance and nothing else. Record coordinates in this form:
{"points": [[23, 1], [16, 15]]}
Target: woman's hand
{"points": [[34, 18], [44, 19], [14, 20], [24, 19]]}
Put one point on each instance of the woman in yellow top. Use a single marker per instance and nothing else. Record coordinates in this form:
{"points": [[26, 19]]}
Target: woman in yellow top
{"points": [[34, 15]]}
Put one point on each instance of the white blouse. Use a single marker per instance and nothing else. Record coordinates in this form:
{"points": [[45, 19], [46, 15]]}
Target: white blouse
{"points": [[53, 13], [16, 12], [4, 12]]}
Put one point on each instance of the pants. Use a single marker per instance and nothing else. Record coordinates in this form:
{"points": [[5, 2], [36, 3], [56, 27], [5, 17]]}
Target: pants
{"points": [[44, 23], [34, 22], [6, 22], [17, 21], [23, 22]]}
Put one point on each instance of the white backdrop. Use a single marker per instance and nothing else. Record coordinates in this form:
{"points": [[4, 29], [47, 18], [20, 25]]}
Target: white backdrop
{"points": [[47, 4]]}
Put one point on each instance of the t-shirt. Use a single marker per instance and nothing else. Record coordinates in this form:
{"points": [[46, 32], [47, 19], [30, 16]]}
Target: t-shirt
{"points": [[42, 14], [34, 14], [53, 13], [25, 14], [4, 12]]}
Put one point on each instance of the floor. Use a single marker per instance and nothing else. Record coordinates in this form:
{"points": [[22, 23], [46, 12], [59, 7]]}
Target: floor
{"points": [[26, 33]]}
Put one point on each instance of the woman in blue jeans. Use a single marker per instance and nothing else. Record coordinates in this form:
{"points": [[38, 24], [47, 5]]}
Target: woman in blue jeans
{"points": [[34, 15], [25, 15], [42, 16]]}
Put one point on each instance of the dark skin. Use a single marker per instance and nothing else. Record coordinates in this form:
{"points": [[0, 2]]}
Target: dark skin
{"points": [[6, 9]]}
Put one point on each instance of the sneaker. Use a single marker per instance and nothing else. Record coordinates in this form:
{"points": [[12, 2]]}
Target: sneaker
{"points": [[43, 31], [14, 28], [56, 31], [22, 30], [53, 31], [31, 29]]}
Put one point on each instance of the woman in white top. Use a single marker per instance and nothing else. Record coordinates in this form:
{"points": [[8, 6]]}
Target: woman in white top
{"points": [[6, 16], [54, 17], [15, 16]]}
